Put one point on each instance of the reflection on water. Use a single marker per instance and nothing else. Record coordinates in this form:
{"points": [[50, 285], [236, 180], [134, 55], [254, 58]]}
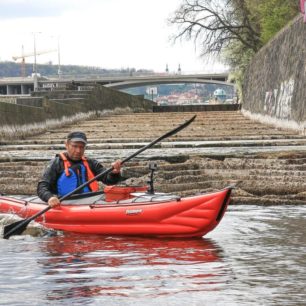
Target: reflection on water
{"points": [[255, 257], [128, 267]]}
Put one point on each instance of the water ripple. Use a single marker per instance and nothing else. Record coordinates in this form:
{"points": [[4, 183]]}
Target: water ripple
{"points": [[255, 257]]}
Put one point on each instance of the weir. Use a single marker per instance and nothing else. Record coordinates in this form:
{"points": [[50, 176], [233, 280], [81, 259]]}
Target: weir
{"points": [[218, 149], [265, 161]]}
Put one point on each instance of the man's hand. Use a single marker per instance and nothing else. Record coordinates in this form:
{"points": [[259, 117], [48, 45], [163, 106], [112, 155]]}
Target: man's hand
{"points": [[53, 202], [116, 166]]}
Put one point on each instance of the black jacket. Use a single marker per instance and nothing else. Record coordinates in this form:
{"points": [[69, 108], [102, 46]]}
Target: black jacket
{"points": [[47, 186]]}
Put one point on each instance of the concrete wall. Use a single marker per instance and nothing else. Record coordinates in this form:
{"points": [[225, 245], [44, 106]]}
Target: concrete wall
{"points": [[43, 106], [14, 114], [60, 94], [275, 82], [56, 109], [102, 98], [196, 108], [30, 101]]}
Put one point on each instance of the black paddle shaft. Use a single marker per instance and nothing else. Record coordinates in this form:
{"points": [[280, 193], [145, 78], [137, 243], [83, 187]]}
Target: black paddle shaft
{"points": [[18, 227]]}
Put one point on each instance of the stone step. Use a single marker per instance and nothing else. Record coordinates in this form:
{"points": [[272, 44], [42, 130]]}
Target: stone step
{"points": [[196, 160]]}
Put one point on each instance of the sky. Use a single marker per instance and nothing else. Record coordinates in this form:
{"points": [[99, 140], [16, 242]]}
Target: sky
{"points": [[111, 34]]}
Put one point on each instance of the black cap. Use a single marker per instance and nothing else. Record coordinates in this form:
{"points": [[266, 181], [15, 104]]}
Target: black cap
{"points": [[77, 136]]}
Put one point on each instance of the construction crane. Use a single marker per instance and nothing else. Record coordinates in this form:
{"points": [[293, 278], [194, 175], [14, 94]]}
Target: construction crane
{"points": [[24, 55]]}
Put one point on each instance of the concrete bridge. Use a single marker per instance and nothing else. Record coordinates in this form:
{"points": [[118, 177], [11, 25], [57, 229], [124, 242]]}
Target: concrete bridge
{"points": [[165, 80], [24, 86]]}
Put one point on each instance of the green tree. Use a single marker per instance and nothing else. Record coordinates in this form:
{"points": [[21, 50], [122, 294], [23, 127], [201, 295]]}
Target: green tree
{"points": [[234, 29], [214, 25], [274, 15]]}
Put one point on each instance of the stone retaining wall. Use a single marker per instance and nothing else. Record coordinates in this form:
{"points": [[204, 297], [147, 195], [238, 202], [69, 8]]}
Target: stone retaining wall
{"points": [[274, 85], [30, 101], [60, 94], [107, 98], [57, 109], [55, 105], [14, 114]]}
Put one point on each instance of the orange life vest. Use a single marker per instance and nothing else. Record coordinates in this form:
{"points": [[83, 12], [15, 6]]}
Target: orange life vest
{"points": [[94, 186]]}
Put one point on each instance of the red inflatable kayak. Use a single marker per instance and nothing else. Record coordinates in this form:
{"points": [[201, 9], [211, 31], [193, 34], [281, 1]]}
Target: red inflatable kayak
{"points": [[140, 214]]}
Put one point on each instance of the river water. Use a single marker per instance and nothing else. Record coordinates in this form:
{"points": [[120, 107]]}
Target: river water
{"points": [[257, 256]]}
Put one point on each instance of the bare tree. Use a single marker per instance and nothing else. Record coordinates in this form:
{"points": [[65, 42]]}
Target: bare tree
{"points": [[216, 24]]}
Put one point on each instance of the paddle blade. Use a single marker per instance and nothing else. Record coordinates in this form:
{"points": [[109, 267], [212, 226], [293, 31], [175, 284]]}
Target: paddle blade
{"points": [[16, 228]]}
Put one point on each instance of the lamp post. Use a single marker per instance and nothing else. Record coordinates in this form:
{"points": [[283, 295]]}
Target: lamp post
{"points": [[58, 49], [35, 63], [59, 58]]}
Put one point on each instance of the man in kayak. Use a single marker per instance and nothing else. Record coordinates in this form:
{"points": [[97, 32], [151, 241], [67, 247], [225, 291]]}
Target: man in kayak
{"points": [[70, 169]]}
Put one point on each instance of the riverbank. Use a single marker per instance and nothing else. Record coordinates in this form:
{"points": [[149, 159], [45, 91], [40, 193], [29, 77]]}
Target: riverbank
{"points": [[218, 149]]}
